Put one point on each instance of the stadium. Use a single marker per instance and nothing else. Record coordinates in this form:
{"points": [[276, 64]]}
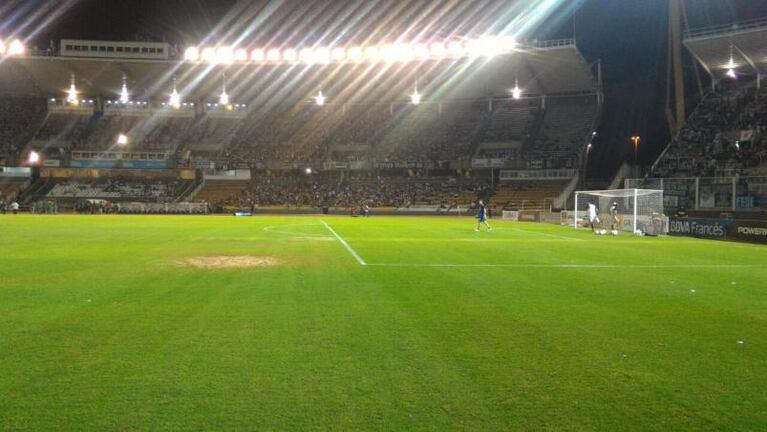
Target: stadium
{"points": [[383, 215]]}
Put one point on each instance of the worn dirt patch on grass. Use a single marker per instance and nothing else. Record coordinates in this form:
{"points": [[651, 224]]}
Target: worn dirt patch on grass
{"points": [[227, 262]]}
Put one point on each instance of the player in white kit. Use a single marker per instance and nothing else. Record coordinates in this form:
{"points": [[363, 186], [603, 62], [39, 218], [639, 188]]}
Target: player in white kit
{"points": [[593, 217]]}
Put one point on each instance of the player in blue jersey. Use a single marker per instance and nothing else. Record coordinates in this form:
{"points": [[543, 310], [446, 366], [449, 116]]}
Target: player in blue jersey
{"points": [[482, 216]]}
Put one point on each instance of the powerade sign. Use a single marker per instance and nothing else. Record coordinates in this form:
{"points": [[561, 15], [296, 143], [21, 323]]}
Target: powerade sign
{"points": [[701, 228], [749, 230], [720, 229]]}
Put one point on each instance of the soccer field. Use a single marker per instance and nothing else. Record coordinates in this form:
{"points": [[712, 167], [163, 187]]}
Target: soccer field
{"points": [[382, 323]]}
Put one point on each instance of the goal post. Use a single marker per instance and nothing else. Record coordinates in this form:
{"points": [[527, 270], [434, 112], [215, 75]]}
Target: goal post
{"points": [[639, 210]]}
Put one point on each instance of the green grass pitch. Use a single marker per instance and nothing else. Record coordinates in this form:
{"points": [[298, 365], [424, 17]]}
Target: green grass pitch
{"points": [[103, 326]]}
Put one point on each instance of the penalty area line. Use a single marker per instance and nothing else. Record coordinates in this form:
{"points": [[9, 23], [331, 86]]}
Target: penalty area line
{"points": [[345, 244]]}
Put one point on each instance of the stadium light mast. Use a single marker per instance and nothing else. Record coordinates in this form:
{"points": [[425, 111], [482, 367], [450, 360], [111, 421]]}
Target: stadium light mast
{"points": [[175, 98], [586, 163], [675, 69], [320, 98], [124, 91], [636, 140], [731, 66], [72, 92]]}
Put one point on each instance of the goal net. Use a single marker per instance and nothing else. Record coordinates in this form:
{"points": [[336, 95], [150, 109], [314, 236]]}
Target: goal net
{"points": [[638, 210]]}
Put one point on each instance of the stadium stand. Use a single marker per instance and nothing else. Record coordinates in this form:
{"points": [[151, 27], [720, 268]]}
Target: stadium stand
{"points": [[268, 190], [372, 145], [10, 188], [208, 135], [19, 119], [567, 124], [62, 130], [156, 191], [220, 191], [528, 195], [727, 134], [718, 161]]}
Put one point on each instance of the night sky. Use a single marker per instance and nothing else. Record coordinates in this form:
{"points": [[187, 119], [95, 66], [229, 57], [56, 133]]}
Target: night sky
{"points": [[628, 36]]}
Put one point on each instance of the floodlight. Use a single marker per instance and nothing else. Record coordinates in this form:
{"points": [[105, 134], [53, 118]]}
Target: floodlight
{"points": [[2, 47], [223, 99], [122, 139], [507, 43], [483, 47], [516, 92], [175, 99], [455, 49], [389, 53], [421, 51], [731, 73], [338, 54], [371, 54], [192, 54], [355, 54], [415, 98], [34, 157], [16, 48], [241, 55], [320, 98], [208, 54], [306, 56], [322, 55], [437, 49], [124, 92], [404, 52], [72, 92], [257, 55], [289, 55], [224, 55], [273, 55]]}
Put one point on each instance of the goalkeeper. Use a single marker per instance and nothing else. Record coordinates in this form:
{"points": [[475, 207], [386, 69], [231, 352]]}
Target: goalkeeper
{"points": [[614, 218], [482, 216]]}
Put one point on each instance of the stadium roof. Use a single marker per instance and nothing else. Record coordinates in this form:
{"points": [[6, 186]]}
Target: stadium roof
{"points": [[550, 67], [740, 47]]}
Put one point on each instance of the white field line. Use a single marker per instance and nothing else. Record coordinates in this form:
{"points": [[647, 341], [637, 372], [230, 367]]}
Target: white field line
{"points": [[346, 245], [577, 266], [548, 234], [277, 230], [273, 238]]}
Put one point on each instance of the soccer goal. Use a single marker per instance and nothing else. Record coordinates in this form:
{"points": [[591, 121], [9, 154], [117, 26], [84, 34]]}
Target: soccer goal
{"points": [[638, 211]]}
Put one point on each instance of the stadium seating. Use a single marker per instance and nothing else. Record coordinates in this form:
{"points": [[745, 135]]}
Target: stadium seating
{"points": [[19, 119], [528, 195], [566, 125], [325, 190], [726, 135], [110, 189], [220, 191], [10, 188]]}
